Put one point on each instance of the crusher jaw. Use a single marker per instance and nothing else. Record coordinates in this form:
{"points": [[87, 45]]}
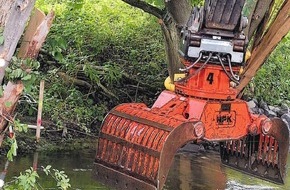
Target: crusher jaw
{"points": [[137, 144]]}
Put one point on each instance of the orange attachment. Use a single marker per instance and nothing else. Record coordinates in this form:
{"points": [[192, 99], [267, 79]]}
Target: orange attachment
{"points": [[209, 83], [137, 144]]}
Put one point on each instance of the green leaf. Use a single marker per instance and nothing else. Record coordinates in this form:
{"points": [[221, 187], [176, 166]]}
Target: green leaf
{"points": [[8, 70], [27, 77], [1, 40], [13, 150], [8, 104], [1, 91]]}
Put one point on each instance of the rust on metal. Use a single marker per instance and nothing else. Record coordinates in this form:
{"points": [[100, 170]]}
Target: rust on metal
{"points": [[264, 156]]}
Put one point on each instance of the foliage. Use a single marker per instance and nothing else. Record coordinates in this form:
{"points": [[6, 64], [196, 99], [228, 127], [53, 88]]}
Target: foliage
{"points": [[26, 181], [25, 70], [118, 51], [11, 141], [106, 44], [59, 176], [160, 3], [29, 179], [13, 148], [272, 83]]}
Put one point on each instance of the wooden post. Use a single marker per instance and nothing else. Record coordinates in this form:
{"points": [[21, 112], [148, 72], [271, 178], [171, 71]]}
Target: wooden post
{"points": [[35, 161], [40, 105], [35, 34]]}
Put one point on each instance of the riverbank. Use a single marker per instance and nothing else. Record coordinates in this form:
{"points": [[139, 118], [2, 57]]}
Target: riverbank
{"points": [[52, 140]]}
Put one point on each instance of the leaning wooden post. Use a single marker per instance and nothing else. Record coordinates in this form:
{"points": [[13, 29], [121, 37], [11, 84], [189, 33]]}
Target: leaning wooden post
{"points": [[40, 105]]}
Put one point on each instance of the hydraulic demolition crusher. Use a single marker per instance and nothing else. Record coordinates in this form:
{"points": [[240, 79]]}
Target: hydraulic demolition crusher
{"points": [[137, 144]]}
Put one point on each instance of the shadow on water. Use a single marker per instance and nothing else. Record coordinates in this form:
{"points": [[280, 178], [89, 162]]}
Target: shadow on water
{"points": [[190, 171], [196, 171], [199, 171]]}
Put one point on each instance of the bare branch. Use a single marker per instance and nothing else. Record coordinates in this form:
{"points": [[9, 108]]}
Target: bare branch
{"points": [[75, 81], [146, 7]]}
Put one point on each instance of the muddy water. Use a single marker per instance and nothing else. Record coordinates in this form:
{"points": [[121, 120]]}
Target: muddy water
{"points": [[200, 171], [190, 171], [77, 165]]}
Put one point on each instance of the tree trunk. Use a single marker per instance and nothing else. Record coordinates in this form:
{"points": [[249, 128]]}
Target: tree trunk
{"points": [[279, 28], [176, 15], [5, 7], [8, 103], [180, 11], [257, 16], [170, 34], [14, 15]]}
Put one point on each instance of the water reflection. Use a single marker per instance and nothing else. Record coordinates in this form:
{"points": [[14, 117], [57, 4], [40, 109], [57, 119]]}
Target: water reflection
{"points": [[199, 171], [196, 171], [77, 165], [190, 171]]}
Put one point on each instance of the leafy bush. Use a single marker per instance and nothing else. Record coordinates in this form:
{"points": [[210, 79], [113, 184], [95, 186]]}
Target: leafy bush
{"points": [[114, 50], [272, 83], [29, 179], [102, 53]]}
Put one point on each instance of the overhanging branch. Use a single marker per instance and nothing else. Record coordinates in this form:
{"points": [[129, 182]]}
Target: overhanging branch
{"points": [[146, 7]]}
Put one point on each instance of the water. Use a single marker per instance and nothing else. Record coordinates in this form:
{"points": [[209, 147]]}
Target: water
{"points": [[77, 165], [190, 171]]}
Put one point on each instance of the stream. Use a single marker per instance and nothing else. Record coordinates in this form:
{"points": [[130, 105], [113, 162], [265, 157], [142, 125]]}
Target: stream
{"points": [[190, 171]]}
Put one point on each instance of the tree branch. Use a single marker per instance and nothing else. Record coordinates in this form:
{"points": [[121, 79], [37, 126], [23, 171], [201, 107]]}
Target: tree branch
{"points": [[259, 13], [279, 28], [179, 10], [262, 28], [75, 81], [146, 7]]}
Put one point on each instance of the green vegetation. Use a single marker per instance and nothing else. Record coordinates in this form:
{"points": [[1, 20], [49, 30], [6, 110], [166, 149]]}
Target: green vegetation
{"points": [[29, 179], [272, 84], [102, 53], [98, 54]]}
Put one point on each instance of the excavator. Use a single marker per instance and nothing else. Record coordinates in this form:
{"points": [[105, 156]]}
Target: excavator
{"points": [[137, 144]]}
